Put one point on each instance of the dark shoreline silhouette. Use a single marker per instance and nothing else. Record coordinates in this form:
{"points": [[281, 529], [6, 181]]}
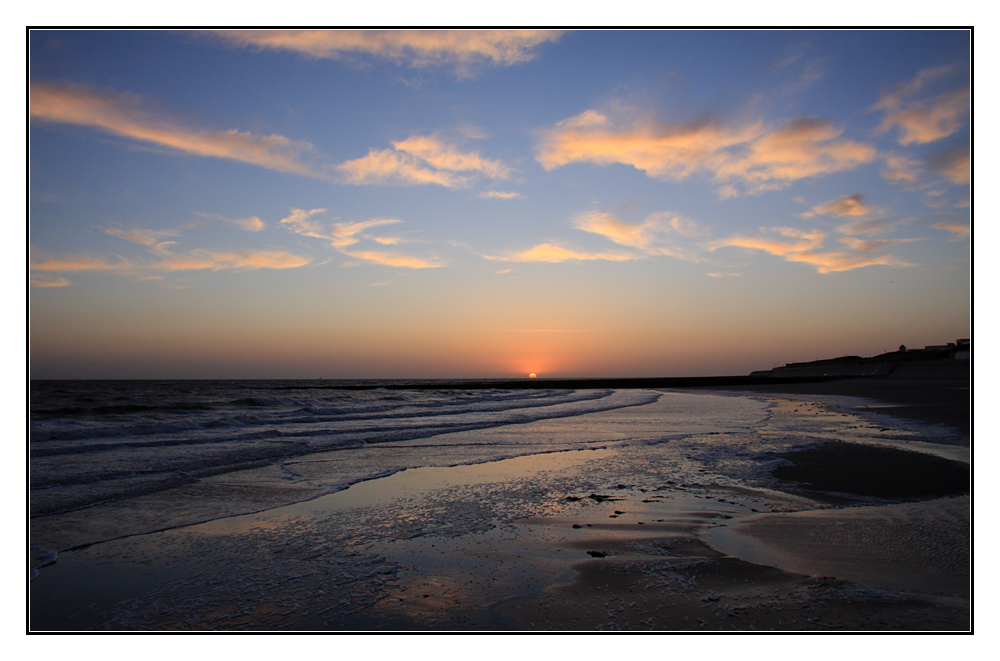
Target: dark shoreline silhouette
{"points": [[519, 384]]}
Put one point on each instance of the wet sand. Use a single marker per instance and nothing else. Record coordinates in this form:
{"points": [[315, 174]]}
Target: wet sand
{"points": [[936, 393], [630, 559], [904, 567], [811, 555]]}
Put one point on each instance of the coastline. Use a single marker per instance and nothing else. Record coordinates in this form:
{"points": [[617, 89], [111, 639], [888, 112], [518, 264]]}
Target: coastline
{"points": [[935, 393], [931, 392], [635, 560]]}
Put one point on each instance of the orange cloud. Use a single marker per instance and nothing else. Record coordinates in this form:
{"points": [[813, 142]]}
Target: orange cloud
{"points": [[394, 259], [300, 221], [420, 160], [339, 234], [197, 260], [954, 165], [649, 236], [416, 160], [122, 115], [81, 263], [849, 206], [390, 167], [48, 281], [869, 246], [925, 120], [958, 230], [869, 226], [806, 147], [144, 237], [446, 157], [634, 236], [250, 260], [900, 168], [751, 156], [343, 235], [663, 151], [548, 252], [930, 121], [250, 223], [897, 96], [862, 218], [500, 195], [800, 246], [416, 48]]}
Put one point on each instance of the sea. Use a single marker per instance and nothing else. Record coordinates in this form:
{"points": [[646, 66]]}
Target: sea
{"points": [[320, 482]]}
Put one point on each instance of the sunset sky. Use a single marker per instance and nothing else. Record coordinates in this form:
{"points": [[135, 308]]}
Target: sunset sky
{"points": [[340, 204]]}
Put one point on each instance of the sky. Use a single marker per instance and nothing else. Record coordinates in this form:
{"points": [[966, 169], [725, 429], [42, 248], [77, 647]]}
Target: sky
{"points": [[407, 204]]}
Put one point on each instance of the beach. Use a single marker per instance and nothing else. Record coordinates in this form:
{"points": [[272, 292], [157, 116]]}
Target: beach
{"points": [[683, 510]]}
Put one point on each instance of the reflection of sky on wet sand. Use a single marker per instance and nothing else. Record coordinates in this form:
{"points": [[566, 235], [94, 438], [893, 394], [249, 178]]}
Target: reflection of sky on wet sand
{"points": [[476, 539]]}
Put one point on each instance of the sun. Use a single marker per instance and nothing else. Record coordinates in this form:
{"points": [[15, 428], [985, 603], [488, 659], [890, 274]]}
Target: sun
{"points": [[532, 375]]}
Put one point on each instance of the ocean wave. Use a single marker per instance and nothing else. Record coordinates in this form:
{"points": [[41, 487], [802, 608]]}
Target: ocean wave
{"points": [[132, 441]]}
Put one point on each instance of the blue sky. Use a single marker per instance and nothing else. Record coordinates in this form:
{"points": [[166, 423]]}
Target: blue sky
{"points": [[403, 204]]}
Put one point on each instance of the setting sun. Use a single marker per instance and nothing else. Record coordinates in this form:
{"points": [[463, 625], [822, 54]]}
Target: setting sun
{"points": [[307, 270]]}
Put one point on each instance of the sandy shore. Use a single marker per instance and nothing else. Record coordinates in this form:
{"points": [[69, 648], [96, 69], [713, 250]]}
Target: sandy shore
{"points": [[641, 555], [936, 393]]}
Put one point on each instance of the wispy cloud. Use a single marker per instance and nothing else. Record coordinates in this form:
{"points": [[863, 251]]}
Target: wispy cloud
{"points": [[442, 156], [848, 205], [249, 223], [900, 168], [750, 156], [806, 147], [955, 165], [958, 230], [124, 115], [421, 160], [806, 246], [394, 259], [656, 235], [301, 221], [347, 234], [416, 160], [500, 195], [552, 253], [168, 260], [48, 281], [342, 236], [640, 235], [74, 263], [390, 167], [860, 217], [246, 260], [872, 246], [462, 49], [901, 93], [152, 239], [196, 260], [922, 120]]}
